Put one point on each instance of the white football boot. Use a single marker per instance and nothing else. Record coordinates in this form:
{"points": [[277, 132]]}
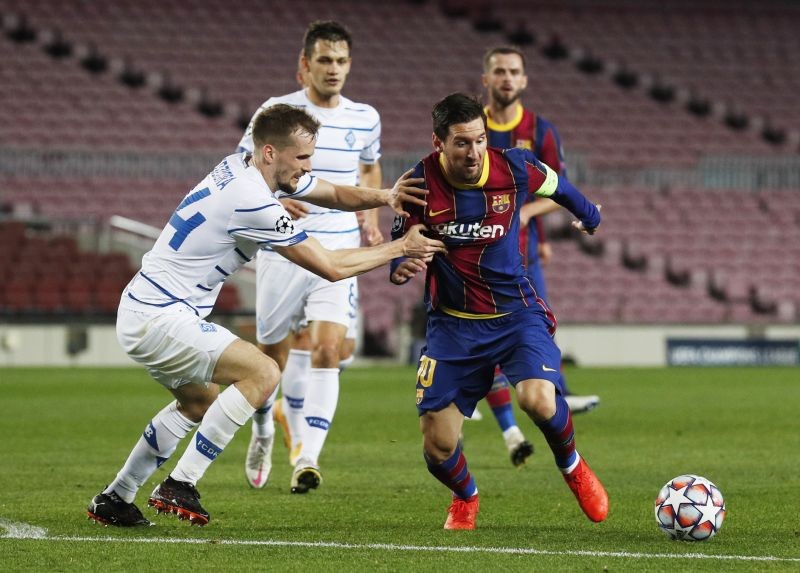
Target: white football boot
{"points": [[258, 463], [580, 404]]}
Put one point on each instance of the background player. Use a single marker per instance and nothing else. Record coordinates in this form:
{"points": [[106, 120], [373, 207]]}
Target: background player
{"points": [[482, 308], [509, 124], [216, 229], [347, 153]]}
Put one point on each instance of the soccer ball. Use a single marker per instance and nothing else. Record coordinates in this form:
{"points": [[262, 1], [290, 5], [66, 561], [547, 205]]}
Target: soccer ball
{"points": [[690, 508]]}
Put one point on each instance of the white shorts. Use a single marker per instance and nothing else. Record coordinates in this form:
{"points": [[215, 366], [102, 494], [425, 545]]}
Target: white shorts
{"points": [[177, 347], [288, 297]]}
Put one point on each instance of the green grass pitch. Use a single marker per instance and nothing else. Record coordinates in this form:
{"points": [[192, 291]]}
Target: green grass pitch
{"points": [[65, 433]]}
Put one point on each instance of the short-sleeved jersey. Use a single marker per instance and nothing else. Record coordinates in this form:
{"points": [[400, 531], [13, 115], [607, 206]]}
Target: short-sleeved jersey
{"points": [[217, 228], [529, 131], [349, 134]]}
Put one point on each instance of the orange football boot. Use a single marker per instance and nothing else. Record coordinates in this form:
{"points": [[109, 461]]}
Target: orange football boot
{"points": [[461, 513], [588, 490]]}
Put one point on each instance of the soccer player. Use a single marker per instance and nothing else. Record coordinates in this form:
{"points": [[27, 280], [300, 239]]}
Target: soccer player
{"points": [[509, 124], [483, 310], [216, 229], [348, 153]]}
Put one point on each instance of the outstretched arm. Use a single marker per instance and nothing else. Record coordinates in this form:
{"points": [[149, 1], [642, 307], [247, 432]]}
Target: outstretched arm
{"points": [[343, 263], [544, 182], [349, 198]]}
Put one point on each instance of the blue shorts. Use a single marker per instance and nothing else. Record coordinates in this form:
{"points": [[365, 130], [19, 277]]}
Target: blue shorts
{"points": [[457, 364]]}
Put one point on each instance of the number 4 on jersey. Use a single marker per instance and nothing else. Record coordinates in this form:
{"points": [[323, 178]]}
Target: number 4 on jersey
{"points": [[185, 226]]}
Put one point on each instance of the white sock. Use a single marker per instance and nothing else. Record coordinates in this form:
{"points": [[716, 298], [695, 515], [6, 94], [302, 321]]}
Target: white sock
{"points": [[511, 431], [229, 412], [573, 465], [345, 362], [294, 382], [263, 420], [320, 405], [155, 446]]}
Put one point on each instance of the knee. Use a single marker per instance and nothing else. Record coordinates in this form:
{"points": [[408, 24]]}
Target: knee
{"points": [[267, 376], [347, 349], [537, 398], [438, 446], [437, 450], [325, 355]]}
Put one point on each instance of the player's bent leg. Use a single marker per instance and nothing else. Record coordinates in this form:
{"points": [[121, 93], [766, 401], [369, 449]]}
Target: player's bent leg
{"points": [[269, 411], [446, 462], [294, 384], [251, 377], [537, 398], [440, 430], [548, 409], [289, 410], [114, 505]]}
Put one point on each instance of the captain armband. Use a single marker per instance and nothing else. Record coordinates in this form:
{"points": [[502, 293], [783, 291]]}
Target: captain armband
{"points": [[550, 184]]}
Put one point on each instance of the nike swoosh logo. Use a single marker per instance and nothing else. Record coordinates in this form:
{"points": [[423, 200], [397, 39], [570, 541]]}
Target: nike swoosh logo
{"points": [[434, 213], [546, 369]]}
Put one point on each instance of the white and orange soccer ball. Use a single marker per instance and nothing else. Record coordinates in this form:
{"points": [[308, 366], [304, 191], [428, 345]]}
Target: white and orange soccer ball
{"points": [[690, 508]]}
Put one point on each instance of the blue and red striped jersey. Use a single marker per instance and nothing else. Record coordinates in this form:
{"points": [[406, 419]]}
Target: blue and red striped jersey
{"points": [[529, 131], [482, 272]]}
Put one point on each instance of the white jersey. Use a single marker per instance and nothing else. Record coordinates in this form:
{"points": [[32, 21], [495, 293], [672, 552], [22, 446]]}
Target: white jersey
{"points": [[349, 134], [218, 227]]}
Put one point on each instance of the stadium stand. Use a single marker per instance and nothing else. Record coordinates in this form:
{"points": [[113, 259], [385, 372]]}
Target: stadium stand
{"points": [[672, 252], [47, 274]]}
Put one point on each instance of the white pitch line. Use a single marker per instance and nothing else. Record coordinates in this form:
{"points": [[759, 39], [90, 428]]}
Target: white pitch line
{"points": [[17, 530], [25, 531]]}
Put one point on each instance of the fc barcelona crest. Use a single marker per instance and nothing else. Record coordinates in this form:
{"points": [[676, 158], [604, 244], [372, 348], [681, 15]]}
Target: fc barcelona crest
{"points": [[501, 203]]}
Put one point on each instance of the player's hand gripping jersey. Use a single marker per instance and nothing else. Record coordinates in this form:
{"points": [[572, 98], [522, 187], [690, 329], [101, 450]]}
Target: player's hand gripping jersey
{"points": [[482, 273]]}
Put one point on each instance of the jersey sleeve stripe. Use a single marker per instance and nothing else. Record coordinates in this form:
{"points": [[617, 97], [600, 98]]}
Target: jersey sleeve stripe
{"points": [[222, 271], [335, 170], [293, 240], [256, 208], [241, 254], [235, 229], [353, 128], [337, 149], [310, 181], [353, 230]]}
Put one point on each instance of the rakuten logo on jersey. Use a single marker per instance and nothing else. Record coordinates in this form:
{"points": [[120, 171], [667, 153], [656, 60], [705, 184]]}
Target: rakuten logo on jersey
{"points": [[469, 230]]}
